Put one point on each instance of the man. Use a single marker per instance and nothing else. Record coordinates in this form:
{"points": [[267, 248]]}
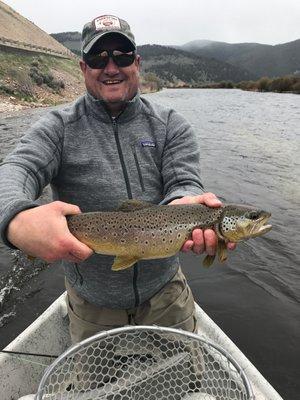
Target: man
{"points": [[108, 146]]}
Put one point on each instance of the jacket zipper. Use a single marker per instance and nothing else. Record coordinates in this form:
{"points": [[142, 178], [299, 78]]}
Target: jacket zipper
{"points": [[129, 194], [125, 173], [138, 168]]}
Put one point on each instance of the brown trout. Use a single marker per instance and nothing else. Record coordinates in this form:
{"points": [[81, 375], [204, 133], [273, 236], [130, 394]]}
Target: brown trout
{"points": [[141, 231]]}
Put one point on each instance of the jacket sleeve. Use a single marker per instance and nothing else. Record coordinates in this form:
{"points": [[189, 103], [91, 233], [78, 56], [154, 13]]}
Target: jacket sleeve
{"points": [[181, 160], [29, 168]]}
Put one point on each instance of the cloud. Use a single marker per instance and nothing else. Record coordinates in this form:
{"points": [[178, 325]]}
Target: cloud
{"points": [[169, 22]]}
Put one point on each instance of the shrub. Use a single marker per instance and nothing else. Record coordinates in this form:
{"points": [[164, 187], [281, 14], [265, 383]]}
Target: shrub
{"points": [[35, 63], [246, 85], [283, 84], [48, 79], [296, 87], [21, 82], [263, 84], [6, 89]]}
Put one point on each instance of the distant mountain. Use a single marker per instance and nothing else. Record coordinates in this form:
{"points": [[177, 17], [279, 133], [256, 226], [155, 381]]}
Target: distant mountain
{"points": [[175, 66], [259, 59], [71, 40]]}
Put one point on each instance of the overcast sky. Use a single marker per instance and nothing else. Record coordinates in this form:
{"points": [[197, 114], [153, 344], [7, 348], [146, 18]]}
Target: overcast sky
{"points": [[174, 21]]}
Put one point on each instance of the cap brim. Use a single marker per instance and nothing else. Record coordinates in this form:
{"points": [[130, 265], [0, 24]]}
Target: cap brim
{"points": [[89, 46]]}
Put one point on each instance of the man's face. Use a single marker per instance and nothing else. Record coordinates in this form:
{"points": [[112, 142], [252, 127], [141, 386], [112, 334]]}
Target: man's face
{"points": [[115, 85]]}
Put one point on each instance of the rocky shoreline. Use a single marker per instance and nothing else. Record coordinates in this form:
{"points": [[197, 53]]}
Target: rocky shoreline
{"points": [[8, 106]]}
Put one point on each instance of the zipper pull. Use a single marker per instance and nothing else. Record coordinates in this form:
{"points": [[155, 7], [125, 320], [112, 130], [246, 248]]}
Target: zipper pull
{"points": [[114, 123]]}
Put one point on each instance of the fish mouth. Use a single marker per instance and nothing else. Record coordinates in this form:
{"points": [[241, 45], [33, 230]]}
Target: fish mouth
{"points": [[257, 227], [254, 228], [262, 226]]}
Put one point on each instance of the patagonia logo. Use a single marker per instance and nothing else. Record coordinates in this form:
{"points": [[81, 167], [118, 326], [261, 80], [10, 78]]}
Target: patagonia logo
{"points": [[148, 143]]}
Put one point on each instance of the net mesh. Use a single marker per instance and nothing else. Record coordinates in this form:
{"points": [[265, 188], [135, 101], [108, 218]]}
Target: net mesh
{"points": [[144, 363]]}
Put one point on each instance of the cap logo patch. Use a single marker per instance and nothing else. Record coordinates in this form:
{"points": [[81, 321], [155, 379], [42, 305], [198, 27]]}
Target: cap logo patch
{"points": [[107, 22]]}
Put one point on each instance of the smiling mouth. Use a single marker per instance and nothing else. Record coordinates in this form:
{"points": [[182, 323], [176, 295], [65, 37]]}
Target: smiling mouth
{"points": [[112, 82]]}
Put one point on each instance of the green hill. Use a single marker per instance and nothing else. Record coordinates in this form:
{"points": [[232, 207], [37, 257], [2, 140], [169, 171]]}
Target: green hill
{"points": [[177, 67], [71, 40], [259, 59]]}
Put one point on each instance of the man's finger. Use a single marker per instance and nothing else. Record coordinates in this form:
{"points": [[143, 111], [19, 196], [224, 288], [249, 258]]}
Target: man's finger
{"points": [[187, 246], [79, 250], [210, 200], [231, 246], [67, 208], [198, 240], [211, 241]]}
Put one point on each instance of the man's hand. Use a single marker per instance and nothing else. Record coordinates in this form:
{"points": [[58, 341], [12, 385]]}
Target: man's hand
{"points": [[202, 240], [43, 232]]}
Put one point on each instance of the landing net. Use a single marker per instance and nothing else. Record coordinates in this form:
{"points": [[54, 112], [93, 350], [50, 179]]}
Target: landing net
{"points": [[145, 363]]}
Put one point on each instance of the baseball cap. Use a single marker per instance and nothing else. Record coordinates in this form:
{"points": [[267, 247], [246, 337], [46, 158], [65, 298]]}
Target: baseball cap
{"points": [[104, 25]]}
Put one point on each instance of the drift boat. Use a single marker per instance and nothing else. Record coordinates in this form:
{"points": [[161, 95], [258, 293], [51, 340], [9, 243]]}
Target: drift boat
{"points": [[48, 334]]}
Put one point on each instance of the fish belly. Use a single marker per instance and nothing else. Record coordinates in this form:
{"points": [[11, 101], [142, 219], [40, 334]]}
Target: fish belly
{"points": [[147, 244]]}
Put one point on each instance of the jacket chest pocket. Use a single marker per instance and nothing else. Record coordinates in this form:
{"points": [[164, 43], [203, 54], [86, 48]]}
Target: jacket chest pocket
{"points": [[147, 165]]}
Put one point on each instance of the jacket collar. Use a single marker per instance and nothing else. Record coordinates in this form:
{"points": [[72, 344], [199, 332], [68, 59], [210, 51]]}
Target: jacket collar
{"points": [[99, 110]]}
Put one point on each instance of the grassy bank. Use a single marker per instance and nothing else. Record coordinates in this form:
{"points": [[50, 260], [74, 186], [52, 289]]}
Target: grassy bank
{"points": [[41, 79], [285, 84], [32, 79]]}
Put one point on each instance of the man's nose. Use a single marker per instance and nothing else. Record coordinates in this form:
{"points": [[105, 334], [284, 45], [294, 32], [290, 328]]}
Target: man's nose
{"points": [[111, 67]]}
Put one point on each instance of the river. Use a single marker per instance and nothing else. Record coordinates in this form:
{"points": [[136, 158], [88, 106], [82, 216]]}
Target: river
{"points": [[250, 150]]}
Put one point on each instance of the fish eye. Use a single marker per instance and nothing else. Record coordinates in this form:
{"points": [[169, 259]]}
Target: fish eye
{"points": [[253, 215]]}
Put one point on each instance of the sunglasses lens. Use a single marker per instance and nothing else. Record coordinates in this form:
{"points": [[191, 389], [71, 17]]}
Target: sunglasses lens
{"points": [[96, 61], [124, 60], [100, 61]]}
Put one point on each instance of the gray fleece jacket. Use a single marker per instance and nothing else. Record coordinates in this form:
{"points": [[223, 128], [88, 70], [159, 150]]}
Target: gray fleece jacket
{"points": [[148, 152]]}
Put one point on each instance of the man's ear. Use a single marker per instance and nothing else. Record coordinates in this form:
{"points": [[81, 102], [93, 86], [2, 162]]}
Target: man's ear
{"points": [[83, 66], [138, 61]]}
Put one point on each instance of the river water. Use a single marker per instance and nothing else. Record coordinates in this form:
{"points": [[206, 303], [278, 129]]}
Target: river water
{"points": [[250, 147]]}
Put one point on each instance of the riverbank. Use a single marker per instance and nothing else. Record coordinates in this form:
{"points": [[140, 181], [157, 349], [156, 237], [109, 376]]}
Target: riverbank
{"points": [[285, 84]]}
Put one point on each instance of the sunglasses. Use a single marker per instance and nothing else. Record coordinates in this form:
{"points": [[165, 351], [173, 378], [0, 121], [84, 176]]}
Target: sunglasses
{"points": [[100, 60]]}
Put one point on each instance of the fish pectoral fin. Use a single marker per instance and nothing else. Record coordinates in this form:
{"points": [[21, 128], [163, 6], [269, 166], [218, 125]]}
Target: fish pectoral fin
{"points": [[208, 261], [222, 251], [122, 262]]}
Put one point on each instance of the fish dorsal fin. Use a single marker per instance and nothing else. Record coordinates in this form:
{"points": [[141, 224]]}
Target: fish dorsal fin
{"points": [[133, 205]]}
